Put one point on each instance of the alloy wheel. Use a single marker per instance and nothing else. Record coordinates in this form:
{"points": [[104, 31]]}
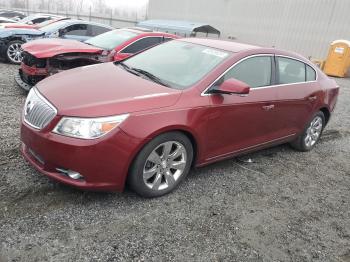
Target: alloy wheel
{"points": [[165, 165], [14, 52], [314, 131]]}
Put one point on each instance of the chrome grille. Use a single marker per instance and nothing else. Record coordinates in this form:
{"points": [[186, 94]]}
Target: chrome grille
{"points": [[38, 112]]}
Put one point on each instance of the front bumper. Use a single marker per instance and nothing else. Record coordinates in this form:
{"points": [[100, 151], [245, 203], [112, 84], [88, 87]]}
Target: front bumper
{"points": [[3, 49], [26, 80], [103, 162], [20, 82]]}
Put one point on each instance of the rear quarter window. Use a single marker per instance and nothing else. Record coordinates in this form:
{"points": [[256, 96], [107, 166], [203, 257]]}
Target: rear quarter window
{"points": [[310, 73]]}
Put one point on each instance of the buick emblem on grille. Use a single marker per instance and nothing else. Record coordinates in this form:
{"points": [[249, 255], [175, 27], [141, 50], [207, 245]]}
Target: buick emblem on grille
{"points": [[29, 107]]}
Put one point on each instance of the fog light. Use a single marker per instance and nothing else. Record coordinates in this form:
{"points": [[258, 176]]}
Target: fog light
{"points": [[72, 174]]}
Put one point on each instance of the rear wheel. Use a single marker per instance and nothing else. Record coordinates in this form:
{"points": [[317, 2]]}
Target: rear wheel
{"points": [[14, 52], [311, 134], [161, 165]]}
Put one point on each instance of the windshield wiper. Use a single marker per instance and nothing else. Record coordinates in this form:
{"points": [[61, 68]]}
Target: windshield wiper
{"points": [[128, 68], [150, 76]]}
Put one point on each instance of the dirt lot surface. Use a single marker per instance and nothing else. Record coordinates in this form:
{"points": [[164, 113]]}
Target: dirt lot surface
{"points": [[284, 206]]}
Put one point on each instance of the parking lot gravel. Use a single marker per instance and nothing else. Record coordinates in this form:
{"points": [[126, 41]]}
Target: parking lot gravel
{"points": [[282, 205]]}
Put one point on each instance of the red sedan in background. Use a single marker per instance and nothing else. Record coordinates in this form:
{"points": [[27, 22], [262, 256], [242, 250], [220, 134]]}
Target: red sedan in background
{"points": [[184, 103], [45, 57]]}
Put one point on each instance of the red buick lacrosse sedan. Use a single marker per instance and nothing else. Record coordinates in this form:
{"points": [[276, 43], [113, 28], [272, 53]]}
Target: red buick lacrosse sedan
{"points": [[189, 102]]}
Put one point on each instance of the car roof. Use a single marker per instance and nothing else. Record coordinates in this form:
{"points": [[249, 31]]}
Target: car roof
{"points": [[221, 44], [75, 21], [145, 31]]}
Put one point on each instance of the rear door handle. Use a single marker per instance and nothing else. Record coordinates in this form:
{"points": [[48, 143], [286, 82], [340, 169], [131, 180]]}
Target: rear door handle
{"points": [[269, 107], [312, 98]]}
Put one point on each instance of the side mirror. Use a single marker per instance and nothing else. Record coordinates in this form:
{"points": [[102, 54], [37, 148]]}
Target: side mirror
{"points": [[61, 32], [231, 86]]}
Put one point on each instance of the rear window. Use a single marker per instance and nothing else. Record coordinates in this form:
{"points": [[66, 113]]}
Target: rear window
{"points": [[95, 30]]}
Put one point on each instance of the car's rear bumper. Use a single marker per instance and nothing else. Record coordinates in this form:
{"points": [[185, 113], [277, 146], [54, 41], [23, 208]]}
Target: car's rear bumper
{"points": [[103, 162]]}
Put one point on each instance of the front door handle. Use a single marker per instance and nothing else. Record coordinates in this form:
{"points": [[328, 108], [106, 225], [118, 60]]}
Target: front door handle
{"points": [[269, 107], [312, 98]]}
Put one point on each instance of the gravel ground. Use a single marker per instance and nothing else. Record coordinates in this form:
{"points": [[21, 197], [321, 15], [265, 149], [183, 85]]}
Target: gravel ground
{"points": [[284, 206]]}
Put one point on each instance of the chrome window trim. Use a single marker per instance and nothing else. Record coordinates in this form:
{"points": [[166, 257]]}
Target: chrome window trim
{"points": [[262, 87], [121, 51], [312, 66]]}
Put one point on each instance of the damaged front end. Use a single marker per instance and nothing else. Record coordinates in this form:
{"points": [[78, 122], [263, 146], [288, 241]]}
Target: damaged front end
{"points": [[35, 69]]}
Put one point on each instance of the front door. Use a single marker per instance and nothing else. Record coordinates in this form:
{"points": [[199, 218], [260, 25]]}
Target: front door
{"points": [[237, 123]]}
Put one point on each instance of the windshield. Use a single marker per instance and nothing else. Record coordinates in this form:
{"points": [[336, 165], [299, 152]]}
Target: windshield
{"points": [[176, 63], [111, 39], [51, 28]]}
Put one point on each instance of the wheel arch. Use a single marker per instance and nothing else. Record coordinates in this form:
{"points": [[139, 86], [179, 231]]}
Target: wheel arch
{"points": [[326, 112], [182, 129]]}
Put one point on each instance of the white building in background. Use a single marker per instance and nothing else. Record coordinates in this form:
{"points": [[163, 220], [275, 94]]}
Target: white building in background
{"points": [[304, 26]]}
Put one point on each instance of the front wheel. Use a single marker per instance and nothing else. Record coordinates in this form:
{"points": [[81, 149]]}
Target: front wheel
{"points": [[14, 52], [311, 134], [161, 165]]}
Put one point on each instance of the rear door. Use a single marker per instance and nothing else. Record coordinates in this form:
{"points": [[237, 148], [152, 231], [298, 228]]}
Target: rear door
{"points": [[298, 93], [237, 122]]}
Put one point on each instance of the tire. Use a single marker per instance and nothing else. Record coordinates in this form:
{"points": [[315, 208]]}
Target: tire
{"points": [[151, 175], [312, 131], [13, 52]]}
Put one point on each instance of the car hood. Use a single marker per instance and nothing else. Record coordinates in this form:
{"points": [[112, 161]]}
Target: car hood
{"points": [[45, 48], [104, 90], [5, 32]]}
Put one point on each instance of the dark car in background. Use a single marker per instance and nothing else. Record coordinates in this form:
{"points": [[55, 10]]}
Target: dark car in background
{"points": [[11, 39], [15, 15], [45, 57]]}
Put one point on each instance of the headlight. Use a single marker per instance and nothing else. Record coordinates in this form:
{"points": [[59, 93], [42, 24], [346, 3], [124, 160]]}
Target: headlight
{"points": [[88, 128]]}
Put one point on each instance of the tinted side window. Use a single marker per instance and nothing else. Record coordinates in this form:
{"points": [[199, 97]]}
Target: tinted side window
{"points": [[310, 73], [39, 20], [290, 71], [78, 29], [94, 30], [166, 39], [254, 71], [142, 44]]}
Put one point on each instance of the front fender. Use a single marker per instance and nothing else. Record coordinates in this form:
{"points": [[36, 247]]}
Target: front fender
{"points": [[147, 126]]}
